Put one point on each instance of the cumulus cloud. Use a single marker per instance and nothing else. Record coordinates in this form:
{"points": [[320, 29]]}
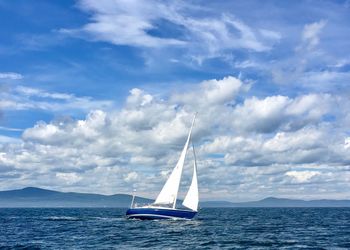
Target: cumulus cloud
{"points": [[274, 112], [213, 92], [302, 176], [295, 147], [261, 146]]}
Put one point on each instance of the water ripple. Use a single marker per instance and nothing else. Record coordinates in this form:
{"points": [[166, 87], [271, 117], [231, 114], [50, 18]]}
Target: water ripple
{"points": [[214, 228]]}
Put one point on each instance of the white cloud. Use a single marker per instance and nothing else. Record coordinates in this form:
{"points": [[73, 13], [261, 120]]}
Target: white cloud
{"points": [[124, 22], [258, 147], [299, 140], [202, 36], [26, 98], [306, 68], [262, 115], [68, 178], [10, 129], [274, 112], [246, 64], [302, 176], [311, 33], [325, 80], [213, 92], [132, 176], [138, 97], [295, 147], [219, 34], [10, 75], [270, 34], [26, 91], [7, 139], [41, 131]]}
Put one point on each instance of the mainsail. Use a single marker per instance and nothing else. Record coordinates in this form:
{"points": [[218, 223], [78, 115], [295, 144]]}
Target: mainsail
{"points": [[168, 195], [192, 197]]}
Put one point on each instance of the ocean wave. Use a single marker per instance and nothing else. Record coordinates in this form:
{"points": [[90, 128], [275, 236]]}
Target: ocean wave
{"points": [[62, 218]]}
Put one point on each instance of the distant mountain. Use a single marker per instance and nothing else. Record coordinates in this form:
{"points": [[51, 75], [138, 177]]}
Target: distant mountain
{"points": [[279, 202], [38, 197]]}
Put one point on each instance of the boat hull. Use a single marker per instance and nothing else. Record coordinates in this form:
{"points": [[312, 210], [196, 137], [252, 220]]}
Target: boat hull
{"points": [[159, 213]]}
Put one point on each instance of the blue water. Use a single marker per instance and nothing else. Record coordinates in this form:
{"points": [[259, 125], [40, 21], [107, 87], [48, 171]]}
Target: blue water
{"points": [[213, 228]]}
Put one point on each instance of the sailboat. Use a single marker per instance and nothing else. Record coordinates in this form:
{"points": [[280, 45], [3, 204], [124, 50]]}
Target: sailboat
{"points": [[164, 206]]}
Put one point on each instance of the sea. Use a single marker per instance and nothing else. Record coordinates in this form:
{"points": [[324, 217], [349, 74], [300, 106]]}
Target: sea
{"points": [[213, 228]]}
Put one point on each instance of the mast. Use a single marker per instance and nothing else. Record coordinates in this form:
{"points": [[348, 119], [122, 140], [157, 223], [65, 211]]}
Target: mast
{"points": [[133, 199]]}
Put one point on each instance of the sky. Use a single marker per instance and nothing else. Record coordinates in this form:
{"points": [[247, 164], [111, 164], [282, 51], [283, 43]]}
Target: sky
{"points": [[98, 96]]}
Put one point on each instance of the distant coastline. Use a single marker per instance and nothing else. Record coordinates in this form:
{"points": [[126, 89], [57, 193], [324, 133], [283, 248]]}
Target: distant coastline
{"points": [[38, 197]]}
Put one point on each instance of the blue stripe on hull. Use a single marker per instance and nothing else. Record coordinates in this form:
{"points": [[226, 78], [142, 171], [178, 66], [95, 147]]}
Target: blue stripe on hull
{"points": [[155, 213]]}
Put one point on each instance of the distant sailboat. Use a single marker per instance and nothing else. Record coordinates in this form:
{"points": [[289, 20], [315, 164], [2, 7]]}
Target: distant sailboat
{"points": [[164, 206]]}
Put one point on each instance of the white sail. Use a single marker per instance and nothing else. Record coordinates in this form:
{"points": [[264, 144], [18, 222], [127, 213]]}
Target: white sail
{"points": [[192, 198], [168, 195]]}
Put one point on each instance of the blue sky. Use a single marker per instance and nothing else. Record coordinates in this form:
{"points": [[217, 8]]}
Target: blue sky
{"points": [[97, 96]]}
